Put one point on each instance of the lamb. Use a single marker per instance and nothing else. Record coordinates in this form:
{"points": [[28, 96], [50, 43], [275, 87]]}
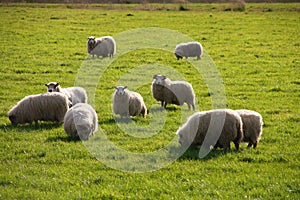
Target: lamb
{"points": [[172, 92], [101, 47], [207, 124], [128, 103], [190, 49], [252, 126], [75, 94], [81, 121], [43, 107]]}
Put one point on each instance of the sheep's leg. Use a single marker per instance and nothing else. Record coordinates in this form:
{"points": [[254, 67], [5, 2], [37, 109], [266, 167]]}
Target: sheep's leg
{"points": [[189, 106], [144, 112], [162, 104], [249, 145], [193, 107], [165, 106], [237, 145], [254, 145]]}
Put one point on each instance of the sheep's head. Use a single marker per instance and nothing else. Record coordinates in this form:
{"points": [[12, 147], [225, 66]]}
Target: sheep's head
{"points": [[120, 90], [178, 56], [188, 131], [159, 79], [183, 136], [91, 41], [52, 87], [13, 119]]}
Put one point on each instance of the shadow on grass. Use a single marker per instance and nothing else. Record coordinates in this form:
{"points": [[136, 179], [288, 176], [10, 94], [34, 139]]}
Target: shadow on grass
{"points": [[63, 139], [30, 127], [192, 153]]}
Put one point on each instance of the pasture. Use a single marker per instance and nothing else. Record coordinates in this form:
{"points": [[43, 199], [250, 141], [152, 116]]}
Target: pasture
{"points": [[256, 53]]}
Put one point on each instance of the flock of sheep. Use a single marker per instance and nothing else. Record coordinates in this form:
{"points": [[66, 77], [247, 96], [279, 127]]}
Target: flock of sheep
{"points": [[69, 105]]}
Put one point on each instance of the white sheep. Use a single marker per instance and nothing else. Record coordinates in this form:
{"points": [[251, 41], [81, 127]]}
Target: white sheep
{"points": [[190, 49], [172, 92], [128, 103], [101, 47], [207, 124], [75, 94], [43, 107], [81, 121], [252, 126]]}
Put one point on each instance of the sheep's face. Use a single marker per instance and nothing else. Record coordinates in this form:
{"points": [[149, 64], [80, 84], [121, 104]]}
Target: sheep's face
{"points": [[13, 119], [183, 137], [120, 90], [52, 86], [159, 79], [178, 56], [91, 41]]}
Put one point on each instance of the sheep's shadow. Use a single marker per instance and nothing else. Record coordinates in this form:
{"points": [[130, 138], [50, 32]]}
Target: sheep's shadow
{"points": [[30, 127], [63, 139], [192, 153]]}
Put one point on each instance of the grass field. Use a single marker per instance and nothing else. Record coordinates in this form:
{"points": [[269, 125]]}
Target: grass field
{"points": [[256, 53]]}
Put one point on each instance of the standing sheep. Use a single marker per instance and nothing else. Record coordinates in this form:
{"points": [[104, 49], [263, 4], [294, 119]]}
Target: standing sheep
{"points": [[81, 121], [128, 103], [190, 49], [252, 126], [206, 124], [43, 107], [75, 94], [172, 92], [101, 47]]}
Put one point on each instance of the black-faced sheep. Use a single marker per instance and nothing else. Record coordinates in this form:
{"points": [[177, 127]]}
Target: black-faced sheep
{"points": [[81, 121], [252, 126], [208, 124], [128, 103], [75, 94], [190, 49], [43, 107], [101, 47], [172, 92]]}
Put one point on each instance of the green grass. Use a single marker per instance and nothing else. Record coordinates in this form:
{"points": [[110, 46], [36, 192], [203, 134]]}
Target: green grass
{"points": [[256, 54]]}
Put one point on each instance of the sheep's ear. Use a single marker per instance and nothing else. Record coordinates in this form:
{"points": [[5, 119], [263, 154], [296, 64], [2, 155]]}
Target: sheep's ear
{"points": [[125, 86], [115, 87], [46, 84], [57, 84], [154, 77], [164, 77]]}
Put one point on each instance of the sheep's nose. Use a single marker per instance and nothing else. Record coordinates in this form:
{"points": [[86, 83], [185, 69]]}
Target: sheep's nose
{"points": [[49, 90]]}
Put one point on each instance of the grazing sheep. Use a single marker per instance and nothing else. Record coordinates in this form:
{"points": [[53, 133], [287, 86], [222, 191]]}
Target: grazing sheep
{"points": [[205, 124], [128, 103], [190, 49], [101, 47], [75, 94], [172, 92], [252, 126], [81, 121], [43, 107]]}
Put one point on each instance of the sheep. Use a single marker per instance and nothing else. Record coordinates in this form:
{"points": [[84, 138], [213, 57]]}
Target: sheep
{"points": [[43, 107], [201, 125], [104, 46], [75, 94], [81, 121], [252, 126], [128, 103], [172, 92], [190, 49]]}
